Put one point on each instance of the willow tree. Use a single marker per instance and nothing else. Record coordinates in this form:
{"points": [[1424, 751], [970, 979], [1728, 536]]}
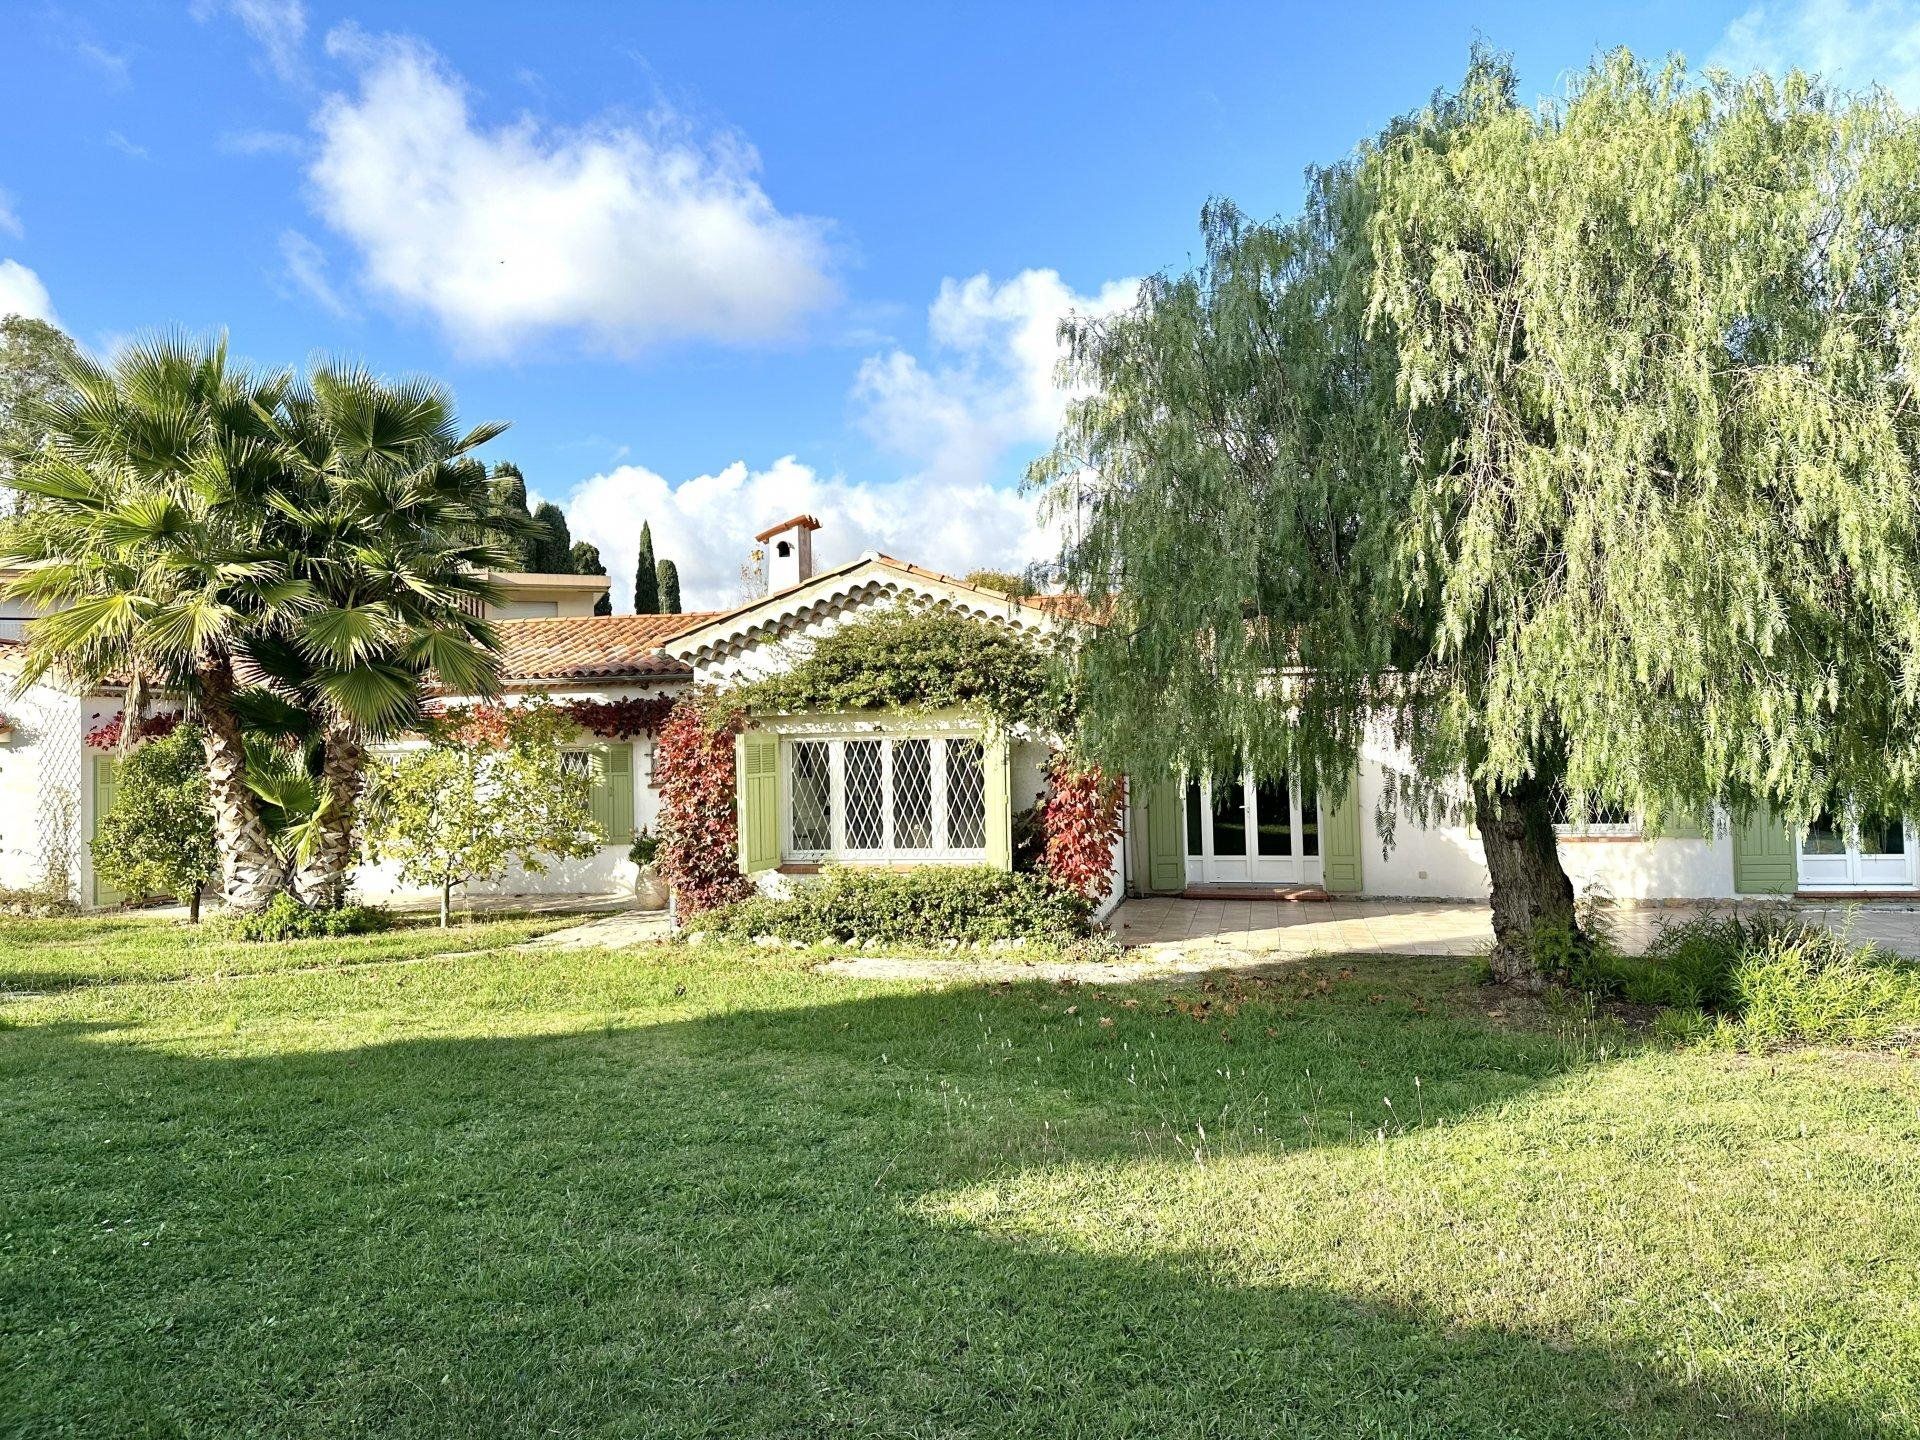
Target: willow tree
{"points": [[1572, 445]]}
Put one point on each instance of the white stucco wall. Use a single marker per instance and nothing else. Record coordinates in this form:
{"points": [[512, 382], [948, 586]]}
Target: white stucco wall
{"points": [[1448, 861], [608, 872], [43, 795]]}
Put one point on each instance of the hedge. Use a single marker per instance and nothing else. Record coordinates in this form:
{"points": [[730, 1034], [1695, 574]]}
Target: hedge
{"points": [[930, 904]]}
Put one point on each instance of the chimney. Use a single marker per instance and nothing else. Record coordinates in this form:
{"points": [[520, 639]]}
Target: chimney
{"points": [[789, 552]]}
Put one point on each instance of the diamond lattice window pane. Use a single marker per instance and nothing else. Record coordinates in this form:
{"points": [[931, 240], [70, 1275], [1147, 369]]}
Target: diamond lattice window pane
{"points": [[966, 795], [913, 794], [865, 821], [812, 797]]}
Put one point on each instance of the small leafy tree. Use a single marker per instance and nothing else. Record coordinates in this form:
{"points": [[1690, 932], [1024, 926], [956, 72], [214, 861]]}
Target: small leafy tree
{"points": [[1006, 582], [479, 797], [158, 837], [33, 360], [646, 576]]}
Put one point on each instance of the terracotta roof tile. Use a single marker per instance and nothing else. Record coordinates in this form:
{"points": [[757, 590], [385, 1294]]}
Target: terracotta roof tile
{"points": [[592, 647]]}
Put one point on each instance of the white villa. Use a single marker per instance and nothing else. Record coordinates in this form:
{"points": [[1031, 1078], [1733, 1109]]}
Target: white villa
{"points": [[867, 788]]}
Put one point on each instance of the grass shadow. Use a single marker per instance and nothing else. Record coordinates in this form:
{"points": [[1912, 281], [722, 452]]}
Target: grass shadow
{"points": [[738, 1224]]}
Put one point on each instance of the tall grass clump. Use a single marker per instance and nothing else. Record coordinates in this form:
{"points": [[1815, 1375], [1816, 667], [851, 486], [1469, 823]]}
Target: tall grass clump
{"points": [[1763, 979]]}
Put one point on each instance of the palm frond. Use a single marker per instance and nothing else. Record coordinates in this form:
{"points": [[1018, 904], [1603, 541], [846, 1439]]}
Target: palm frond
{"points": [[376, 698], [192, 625]]}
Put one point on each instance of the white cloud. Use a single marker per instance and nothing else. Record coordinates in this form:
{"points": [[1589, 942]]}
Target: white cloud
{"points": [[278, 27], [113, 64], [705, 525], [261, 142], [125, 146], [306, 266], [21, 293], [988, 394], [9, 217], [1850, 43], [621, 235], [991, 385]]}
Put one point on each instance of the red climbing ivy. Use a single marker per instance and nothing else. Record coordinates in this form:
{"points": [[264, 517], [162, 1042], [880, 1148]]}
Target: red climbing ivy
{"points": [[1081, 820], [621, 719], [699, 827], [483, 724], [147, 727]]}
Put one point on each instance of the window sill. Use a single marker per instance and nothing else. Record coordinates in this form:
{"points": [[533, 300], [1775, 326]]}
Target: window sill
{"points": [[886, 862]]}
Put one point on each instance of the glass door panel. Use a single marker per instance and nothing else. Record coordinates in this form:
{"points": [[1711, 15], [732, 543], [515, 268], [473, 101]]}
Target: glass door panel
{"points": [[1881, 861], [1273, 819], [1876, 856], [1229, 821]]}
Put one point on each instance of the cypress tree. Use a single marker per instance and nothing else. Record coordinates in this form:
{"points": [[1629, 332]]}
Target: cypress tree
{"points": [[508, 493], [587, 561], [669, 576], [553, 549], [646, 577]]}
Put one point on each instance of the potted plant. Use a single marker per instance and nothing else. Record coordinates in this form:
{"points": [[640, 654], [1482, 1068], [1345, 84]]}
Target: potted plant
{"points": [[649, 890]]}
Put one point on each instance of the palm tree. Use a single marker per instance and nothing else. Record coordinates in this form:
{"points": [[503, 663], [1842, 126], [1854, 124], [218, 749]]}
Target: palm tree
{"points": [[386, 520], [147, 543]]}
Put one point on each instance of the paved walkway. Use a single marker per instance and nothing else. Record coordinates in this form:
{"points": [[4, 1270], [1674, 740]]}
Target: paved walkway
{"points": [[1165, 928], [613, 931]]}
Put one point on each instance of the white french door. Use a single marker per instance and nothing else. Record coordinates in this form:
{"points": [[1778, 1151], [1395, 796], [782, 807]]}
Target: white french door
{"points": [[1246, 831], [1877, 855]]}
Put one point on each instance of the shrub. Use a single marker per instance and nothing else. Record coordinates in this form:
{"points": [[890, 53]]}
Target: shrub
{"points": [[285, 918], [927, 905]]}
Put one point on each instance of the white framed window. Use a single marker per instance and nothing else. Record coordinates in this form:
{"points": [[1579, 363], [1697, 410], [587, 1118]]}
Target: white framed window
{"points": [[1608, 822], [872, 797]]}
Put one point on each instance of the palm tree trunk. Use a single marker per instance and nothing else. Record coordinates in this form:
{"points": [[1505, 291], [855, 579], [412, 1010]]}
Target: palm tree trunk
{"points": [[322, 882], [251, 872]]}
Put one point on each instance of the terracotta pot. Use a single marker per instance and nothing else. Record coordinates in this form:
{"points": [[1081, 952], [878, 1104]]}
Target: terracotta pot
{"points": [[649, 890]]}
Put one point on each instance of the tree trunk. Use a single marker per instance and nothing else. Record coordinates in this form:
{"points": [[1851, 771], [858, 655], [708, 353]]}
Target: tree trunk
{"points": [[251, 872], [446, 903], [193, 907], [1530, 889], [322, 882]]}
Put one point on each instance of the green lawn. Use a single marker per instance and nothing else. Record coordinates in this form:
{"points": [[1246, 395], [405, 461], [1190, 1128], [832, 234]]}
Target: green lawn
{"points": [[688, 1191]]}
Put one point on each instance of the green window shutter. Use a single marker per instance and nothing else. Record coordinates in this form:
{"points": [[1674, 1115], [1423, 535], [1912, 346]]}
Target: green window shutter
{"points": [[758, 759], [1166, 839], [1340, 843], [599, 792], [998, 759], [1688, 825], [1763, 858], [610, 791], [105, 783]]}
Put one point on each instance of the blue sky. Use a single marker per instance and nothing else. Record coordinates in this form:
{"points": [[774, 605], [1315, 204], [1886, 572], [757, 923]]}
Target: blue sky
{"points": [[720, 263]]}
